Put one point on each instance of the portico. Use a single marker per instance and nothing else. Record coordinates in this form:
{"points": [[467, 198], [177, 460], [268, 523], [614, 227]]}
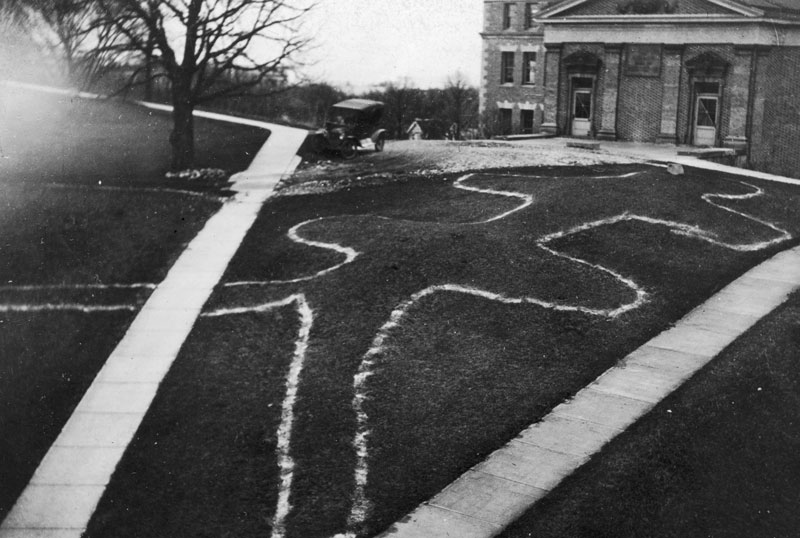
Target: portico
{"points": [[699, 72]]}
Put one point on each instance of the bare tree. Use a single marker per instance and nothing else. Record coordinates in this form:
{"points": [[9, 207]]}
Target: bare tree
{"points": [[12, 17], [401, 100], [70, 32], [14, 10], [208, 49], [65, 28], [459, 96]]}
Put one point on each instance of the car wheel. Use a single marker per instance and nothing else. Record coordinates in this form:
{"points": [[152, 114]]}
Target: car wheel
{"points": [[317, 143], [349, 150], [379, 143]]}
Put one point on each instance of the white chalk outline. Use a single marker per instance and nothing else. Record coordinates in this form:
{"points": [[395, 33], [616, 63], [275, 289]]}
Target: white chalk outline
{"points": [[360, 507], [49, 307], [349, 253], [284, 435], [526, 198], [360, 504], [148, 190], [530, 176], [77, 307], [36, 287], [785, 235]]}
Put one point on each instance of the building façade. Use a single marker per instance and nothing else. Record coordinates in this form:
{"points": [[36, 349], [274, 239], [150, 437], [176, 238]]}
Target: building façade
{"points": [[699, 72]]}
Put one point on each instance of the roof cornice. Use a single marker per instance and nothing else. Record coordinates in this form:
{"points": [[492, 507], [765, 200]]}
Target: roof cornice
{"points": [[558, 8], [740, 8], [683, 19], [727, 4], [512, 34]]}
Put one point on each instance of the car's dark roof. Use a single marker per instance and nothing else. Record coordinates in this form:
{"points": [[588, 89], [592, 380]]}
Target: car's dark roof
{"points": [[358, 104]]}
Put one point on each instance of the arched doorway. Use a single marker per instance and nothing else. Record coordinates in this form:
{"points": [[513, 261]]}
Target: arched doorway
{"points": [[707, 73], [581, 106], [582, 69]]}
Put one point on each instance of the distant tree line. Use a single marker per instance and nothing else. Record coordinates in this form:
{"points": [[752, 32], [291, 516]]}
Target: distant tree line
{"points": [[201, 51], [449, 112], [209, 53]]}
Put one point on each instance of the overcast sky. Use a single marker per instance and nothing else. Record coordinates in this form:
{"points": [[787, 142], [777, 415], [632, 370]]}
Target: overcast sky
{"points": [[366, 42]]}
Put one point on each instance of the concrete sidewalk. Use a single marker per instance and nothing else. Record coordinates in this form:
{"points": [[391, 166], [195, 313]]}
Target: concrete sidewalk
{"points": [[67, 486], [494, 493], [668, 153]]}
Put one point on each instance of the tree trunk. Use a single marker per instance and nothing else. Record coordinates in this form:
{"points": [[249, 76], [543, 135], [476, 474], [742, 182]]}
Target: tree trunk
{"points": [[148, 68], [182, 136], [458, 118]]}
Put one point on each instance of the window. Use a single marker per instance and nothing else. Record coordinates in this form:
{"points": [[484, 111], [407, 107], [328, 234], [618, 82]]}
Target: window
{"points": [[505, 121], [507, 16], [583, 105], [530, 11], [527, 121], [507, 68], [707, 112], [707, 87], [529, 68]]}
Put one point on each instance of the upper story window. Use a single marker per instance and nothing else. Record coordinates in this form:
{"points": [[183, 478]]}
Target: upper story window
{"points": [[507, 68], [529, 68], [531, 9], [507, 16]]}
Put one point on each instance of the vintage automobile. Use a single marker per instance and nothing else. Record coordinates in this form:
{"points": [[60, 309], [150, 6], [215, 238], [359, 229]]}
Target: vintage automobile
{"points": [[350, 125]]}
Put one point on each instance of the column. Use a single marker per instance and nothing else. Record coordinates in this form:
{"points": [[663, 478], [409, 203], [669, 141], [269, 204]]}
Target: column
{"points": [[611, 67], [552, 61], [739, 95], [758, 144], [671, 77]]}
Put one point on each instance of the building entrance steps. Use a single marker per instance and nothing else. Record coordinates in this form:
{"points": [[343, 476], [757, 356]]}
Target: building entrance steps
{"points": [[686, 156], [69, 482], [661, 154], [494, 493]]}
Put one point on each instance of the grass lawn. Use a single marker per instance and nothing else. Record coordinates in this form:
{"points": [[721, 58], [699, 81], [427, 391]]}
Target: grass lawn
{"points": [[73, 220], [719, 457], [58, 139], [218, 482], [458, 374]]}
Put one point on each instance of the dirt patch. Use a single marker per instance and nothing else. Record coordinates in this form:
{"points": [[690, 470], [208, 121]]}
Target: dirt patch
{"points": [[409, 158]]}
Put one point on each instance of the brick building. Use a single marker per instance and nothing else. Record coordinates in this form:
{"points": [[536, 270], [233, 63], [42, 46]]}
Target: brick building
{"points": [[511, 97], [700, 72]]}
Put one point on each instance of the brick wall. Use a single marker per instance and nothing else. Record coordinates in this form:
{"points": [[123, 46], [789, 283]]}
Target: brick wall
{"points": [[640, 99], [517, 40], [493, 15], [600, 84], [774, 147], [639, 108]]}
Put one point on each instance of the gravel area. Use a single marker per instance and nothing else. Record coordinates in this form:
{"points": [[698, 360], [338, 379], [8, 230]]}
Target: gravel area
{"points": [[407, 158]]}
